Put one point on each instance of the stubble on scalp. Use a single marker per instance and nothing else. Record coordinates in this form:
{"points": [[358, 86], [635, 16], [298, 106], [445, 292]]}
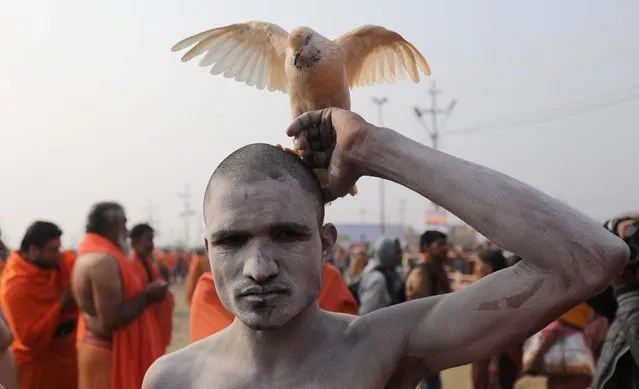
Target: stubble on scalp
{"points": [[260, 161]]}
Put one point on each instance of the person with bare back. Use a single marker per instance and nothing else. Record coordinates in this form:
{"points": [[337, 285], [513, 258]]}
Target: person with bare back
{"points": [[119, 335], [266, 238]]}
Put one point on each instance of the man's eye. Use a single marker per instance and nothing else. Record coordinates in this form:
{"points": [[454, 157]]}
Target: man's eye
{"points": [[287, 235], [308, 38], [231, 242]]}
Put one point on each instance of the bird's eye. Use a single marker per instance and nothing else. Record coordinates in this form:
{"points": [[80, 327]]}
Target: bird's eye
{"points": [[308, 38]]}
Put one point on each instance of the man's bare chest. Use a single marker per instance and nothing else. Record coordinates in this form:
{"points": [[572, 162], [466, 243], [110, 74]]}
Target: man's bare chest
{"points": [[338, 375]]}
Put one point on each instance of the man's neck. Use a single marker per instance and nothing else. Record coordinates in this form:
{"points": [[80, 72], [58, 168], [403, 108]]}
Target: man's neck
{"points": [[284, 346], [427, 258]]}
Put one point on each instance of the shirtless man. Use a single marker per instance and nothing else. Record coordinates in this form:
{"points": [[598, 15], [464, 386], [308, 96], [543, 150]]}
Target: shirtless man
{"points": [[118, 335], [265, 239]]}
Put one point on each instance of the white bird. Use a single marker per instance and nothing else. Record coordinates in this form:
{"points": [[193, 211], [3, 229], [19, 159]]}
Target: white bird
{"points": [[316, 72]]}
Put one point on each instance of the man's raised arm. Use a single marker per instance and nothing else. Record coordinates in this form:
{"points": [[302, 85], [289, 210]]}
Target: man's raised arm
{"points": [[567, 256]]}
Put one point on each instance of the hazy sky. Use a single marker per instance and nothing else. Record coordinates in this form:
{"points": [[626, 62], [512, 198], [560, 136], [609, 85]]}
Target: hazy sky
{"points": [[94, 105]]}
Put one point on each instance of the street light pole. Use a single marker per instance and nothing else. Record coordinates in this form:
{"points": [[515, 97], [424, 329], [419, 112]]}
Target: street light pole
{"points": [[382, 206], [434, 112]]}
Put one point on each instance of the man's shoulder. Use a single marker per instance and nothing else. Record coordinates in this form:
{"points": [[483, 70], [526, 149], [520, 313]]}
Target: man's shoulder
{"points": [[183, 368], [95, 267], [91, 261], [172, 370], [421, 270], [95, 257]]}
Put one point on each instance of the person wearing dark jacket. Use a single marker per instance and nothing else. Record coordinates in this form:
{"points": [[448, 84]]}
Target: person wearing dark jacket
{"points": [[618, 364], [502, 370]]}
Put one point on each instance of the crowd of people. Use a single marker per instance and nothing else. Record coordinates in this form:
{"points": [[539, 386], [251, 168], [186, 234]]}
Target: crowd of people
{"points": [[274, 304]]}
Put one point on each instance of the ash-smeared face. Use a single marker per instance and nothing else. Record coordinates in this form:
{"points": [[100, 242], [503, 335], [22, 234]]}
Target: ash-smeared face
{"points": [[265, 249], [304, 45]]}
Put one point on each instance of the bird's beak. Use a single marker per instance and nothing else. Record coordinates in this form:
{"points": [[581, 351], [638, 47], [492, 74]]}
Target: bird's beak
{"points": [[296, 56]]}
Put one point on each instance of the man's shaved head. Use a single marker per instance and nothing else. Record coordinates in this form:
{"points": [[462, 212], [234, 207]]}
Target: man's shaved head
{"points": [[265, 238], [261, 161]]}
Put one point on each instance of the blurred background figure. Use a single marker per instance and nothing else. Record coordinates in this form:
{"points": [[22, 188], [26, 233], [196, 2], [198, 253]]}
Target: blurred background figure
{"points": [[430, 278], [618, 363], [502, 370], [381, 284], [357, 261]]}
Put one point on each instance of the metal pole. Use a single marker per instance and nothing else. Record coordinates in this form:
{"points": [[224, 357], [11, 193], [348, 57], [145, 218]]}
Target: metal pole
{"points": [[434, 112], [186, 215], [382, 201]]}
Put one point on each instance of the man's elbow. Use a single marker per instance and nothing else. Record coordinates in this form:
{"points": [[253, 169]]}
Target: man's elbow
{"points": [[608, 262]]}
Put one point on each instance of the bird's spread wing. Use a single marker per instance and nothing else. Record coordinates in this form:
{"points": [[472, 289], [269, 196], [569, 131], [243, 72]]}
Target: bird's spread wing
{"points": [[251, 52], [375, 55]]}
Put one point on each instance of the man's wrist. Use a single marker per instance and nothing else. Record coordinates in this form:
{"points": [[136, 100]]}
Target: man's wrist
{"points": [[376, 155]]}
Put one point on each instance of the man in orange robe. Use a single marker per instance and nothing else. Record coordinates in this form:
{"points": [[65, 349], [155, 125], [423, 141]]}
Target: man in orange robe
{"points": [[118, 337], [142, 243], [209, 316], [199, 265], [39, 308]]}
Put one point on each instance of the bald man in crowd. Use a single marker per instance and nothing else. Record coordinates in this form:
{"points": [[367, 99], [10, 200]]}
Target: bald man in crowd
{"points": [[266, 237]]}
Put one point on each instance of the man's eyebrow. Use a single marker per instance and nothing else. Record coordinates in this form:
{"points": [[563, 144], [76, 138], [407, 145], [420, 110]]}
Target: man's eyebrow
{"points": [[290, 226], [221, 234]]}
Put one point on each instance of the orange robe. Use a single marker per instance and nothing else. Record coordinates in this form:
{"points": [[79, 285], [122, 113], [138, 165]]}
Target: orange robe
{"points": [[199, 265], [135, 346], [43, 348], [209, 316], [578, 316], [164, 310], [170, 260]]}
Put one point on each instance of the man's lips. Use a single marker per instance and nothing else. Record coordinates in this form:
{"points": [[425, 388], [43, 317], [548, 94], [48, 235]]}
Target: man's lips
{"points": [[262, 292]]}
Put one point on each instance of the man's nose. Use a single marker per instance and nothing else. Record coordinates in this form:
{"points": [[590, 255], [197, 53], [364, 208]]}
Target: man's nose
{"points": [[260, 267]]}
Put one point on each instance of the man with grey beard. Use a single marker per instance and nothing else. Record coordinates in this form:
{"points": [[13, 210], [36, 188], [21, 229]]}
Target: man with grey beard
{"points": [[116, 327], [266, 238]]}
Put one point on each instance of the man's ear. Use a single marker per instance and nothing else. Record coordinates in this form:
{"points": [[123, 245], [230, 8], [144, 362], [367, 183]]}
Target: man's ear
{"points": [[328, 233]]}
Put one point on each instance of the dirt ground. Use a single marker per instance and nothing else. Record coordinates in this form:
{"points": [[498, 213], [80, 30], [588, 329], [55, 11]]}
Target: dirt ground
{"points": [[457, 378]]}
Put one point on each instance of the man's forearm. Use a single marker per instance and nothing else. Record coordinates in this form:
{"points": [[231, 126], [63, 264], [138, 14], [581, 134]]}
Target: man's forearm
{"points": [[507, 211], [131, 309], [628, 316]]}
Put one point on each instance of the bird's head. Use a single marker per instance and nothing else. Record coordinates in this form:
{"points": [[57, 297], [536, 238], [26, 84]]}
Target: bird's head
{"points": [[306, 47]]}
